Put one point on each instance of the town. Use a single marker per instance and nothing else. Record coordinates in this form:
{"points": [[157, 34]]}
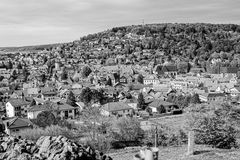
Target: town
{"points": [[145, 72]]}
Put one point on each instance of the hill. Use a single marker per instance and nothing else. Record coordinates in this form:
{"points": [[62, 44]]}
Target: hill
{"points": [[28, 48], [157, 43]]}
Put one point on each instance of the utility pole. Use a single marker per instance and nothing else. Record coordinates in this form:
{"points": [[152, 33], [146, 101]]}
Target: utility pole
{"points": [[143, 22], [156, 137]]}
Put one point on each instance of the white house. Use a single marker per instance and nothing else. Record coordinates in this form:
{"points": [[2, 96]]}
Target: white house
{"points": [[116, 108], [151, 80], [234, 92], [16, 107]]}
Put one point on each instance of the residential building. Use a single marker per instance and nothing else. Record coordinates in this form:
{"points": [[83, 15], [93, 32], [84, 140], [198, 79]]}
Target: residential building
{"points": [[16, 124], [17, 107], [155, 104], [59, 109], [116, 108]]}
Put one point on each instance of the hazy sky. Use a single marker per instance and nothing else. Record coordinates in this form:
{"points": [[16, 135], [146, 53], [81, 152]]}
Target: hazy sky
{"points": [[29, 22]]}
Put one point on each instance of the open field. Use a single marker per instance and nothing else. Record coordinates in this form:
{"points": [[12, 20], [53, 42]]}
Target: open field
{"points": [[202, 152], [179, 153]]}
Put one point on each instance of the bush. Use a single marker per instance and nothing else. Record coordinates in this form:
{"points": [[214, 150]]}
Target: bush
{"points": [[166, 136], [126, 129], [45, 118], [214, 125], [54, 130], [102, 143]]}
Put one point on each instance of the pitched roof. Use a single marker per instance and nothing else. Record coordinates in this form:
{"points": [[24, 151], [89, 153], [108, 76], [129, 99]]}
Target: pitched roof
{"points": [[116, 106], [18, 122], [132, 100], [156, 103], [55, 106], [18, 102], [216, 95], [169, 68]]}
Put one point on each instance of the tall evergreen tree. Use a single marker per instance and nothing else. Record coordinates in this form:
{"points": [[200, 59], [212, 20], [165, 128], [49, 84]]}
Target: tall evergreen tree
{"points": [[140, 78], [71, 100], [33, 103], [195, 99], [109, 82], [86, 96], [141, 102]]}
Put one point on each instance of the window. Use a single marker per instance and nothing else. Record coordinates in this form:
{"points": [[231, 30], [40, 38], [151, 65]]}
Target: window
{"points": [[70, 111]]}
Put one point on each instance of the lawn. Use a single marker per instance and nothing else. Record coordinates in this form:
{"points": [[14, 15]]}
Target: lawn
{"points": [[179, 153]]}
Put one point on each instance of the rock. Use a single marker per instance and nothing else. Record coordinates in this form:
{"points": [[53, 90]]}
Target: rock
{"points": [[46, 147]]}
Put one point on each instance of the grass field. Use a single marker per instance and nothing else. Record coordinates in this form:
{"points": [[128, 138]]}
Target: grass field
{"points": [[179, 153]]}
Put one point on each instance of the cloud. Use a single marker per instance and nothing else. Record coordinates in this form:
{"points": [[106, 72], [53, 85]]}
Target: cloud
{"points": [[27, 22]]}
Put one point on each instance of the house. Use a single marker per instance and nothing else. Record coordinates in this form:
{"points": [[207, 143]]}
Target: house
{"points": [[158, 103], [170, 70], [5, 73], [60, 109], [77, 86], [64, 93], [234, 92], [16, 107], [195, 70], [151, 80], [123, 79], [33, 92], [216, 97], [116, 108], [49, 95], [16, 124], [229, 70], [179, 84], [131, 102], [203, 97]]}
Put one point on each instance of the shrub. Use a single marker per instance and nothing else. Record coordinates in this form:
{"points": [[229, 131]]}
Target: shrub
{"points": [[126, 129], [102, 143], [44, 119], [214, 125]]}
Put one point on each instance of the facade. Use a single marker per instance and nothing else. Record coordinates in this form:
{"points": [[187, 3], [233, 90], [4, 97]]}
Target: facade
{"points": [[216, 97], [151, 80], [5, 73], [62, 110], [16, 107], [158, 103]]}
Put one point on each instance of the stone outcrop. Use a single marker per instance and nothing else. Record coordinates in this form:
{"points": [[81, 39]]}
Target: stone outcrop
{"points": [[46, 148]]}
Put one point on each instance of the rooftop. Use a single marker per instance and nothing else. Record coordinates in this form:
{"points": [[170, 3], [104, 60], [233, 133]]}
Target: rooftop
{"points": [[116, 106]]}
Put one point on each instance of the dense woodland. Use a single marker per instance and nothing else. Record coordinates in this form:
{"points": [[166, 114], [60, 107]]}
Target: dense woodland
{"points": [[192, 43]]}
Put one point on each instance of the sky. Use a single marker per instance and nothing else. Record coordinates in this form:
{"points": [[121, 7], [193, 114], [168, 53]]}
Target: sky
{"points": [[34, 22]]}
